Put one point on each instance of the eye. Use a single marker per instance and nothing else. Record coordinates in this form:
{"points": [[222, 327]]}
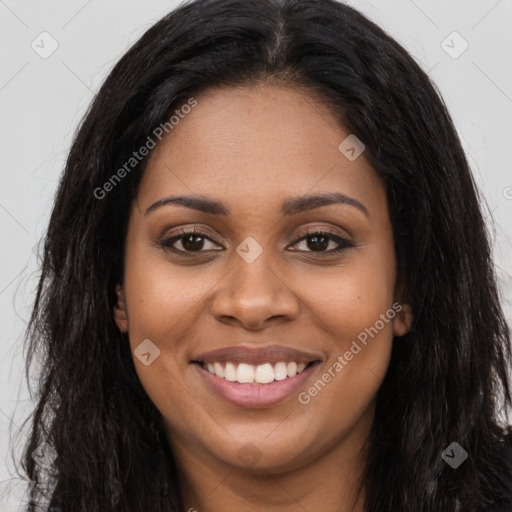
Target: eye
{"points": [[190, 241], [319, 240]]}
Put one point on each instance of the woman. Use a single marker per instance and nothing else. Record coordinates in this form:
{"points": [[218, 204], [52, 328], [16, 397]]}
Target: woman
{"points": [[267, 283]]}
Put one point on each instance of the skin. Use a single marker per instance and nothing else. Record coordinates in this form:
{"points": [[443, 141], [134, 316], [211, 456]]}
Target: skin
{"points": [[252, 148]]}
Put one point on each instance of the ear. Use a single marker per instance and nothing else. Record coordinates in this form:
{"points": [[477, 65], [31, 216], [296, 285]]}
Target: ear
{"points": [[403, 320], [120, 314]]}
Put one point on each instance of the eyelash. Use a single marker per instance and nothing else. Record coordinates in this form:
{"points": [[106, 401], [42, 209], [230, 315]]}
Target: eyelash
{"points": [[343, 242]]}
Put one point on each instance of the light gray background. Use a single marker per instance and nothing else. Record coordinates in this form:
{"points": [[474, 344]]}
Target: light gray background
{"points": [[42, 100]]}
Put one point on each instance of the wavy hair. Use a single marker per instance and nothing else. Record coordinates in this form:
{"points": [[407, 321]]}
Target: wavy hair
{"points": [[447, 380]]}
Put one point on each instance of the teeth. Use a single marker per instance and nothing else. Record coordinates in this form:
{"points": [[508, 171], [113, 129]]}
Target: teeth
{"points": [[291, 369], [219, 370], [264, 374], [230, 372], [280, 371], [245, 373], [255, 374]]}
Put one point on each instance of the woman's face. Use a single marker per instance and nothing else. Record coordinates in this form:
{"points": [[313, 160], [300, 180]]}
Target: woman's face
{"points": [[254, 296]]}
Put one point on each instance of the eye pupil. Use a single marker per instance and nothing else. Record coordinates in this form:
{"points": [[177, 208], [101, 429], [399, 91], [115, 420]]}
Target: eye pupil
{"points": [[316, 245], [191, 246]]}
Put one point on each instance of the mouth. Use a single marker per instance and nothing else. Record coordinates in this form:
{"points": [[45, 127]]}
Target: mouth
{"points": [[265, 373], [263, 377]]}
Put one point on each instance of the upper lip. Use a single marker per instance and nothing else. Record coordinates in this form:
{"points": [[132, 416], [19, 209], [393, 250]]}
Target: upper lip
{"points": [[260, 355]]}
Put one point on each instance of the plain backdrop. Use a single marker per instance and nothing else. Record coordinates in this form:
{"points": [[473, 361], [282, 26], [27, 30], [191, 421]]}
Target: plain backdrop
{"points": [[465, 46]]}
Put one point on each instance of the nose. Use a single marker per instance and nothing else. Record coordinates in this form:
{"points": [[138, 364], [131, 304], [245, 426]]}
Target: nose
{"points": [[252, 295]]}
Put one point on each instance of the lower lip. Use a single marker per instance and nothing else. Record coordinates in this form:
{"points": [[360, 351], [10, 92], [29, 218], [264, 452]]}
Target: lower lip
{"points": [[256, 395]]}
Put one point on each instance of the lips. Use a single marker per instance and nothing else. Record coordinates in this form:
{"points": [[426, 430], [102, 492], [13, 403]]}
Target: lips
{"points": [[255, 377]]}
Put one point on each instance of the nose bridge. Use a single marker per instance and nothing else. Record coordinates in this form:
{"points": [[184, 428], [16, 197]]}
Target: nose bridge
{"points": [[255, 278], [253, 291]]}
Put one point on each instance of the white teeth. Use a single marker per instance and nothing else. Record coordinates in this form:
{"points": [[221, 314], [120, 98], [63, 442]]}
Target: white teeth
{"points": [[219, 370], [230, 372], [264, 374], [255, 374], [280, 371], [291, 369], [245, 373]]}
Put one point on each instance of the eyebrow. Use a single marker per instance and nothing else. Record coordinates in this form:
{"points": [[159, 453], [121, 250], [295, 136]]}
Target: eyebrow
{"points": [[291, 206]]}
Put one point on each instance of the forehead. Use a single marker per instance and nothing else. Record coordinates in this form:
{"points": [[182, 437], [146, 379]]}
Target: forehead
{"points": [[257, 143]]}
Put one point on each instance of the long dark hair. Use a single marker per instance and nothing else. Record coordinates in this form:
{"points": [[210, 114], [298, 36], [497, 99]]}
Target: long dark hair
{"points": [[447, 380]]}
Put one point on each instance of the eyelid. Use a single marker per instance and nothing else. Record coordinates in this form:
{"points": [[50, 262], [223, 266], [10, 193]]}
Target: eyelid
{"points": [[308, 231], [189, 230], [166, 241]]}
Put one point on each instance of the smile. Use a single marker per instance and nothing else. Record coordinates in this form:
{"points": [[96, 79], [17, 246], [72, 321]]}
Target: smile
{"points": [[265, 373], [255, 377]]}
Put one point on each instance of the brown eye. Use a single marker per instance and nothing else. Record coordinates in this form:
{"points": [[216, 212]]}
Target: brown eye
{"points": [[190, 241], [319, 242]]}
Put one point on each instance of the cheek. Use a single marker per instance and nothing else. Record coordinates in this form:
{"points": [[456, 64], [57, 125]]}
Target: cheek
{"points": [[350, 299], [164, 297], [339, 401], [165, 303], [354, 308], [359, 319]]}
